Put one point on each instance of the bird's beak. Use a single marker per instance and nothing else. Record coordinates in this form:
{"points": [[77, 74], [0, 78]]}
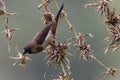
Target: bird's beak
{"points": [[24, 52]]}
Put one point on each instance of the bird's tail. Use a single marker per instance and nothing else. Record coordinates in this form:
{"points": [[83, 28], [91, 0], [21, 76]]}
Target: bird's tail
{"points": [[58, 14]]}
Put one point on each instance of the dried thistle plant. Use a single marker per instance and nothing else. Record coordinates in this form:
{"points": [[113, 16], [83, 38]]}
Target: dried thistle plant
{"points": [[110, 71], [3, 10], [21, 59], [112, 21], [48, 17], [63, 14], [45, 4], [82, 46], [8, 33], [113, 29], [102, 7], [114, 39], [57, 55], [85, 52]]}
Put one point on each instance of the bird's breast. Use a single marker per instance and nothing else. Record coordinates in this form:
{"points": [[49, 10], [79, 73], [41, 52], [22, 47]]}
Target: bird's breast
{"points": [[48, 39]]}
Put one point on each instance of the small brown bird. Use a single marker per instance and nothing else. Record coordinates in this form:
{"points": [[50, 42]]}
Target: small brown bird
{"points": [[44, 37]]}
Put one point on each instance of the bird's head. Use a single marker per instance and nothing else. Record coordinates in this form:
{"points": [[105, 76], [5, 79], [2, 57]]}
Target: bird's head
{"points": [[32, 48], [26, 51]]}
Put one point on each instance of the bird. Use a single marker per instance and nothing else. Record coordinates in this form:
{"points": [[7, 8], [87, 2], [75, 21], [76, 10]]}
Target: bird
{"points": [[43, 37]]}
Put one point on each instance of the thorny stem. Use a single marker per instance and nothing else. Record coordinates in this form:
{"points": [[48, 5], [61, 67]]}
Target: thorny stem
{"points": [[56, 4], [99, 62], [66, 19], [63, 69], [70, 25]]}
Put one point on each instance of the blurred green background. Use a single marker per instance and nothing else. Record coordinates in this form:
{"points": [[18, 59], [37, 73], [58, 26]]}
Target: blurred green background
{"points": [[28, 19]]}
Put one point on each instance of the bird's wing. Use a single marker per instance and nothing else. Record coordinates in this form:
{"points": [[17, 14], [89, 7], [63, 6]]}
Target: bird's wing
{"points": [[42, 34], [37, 48]]}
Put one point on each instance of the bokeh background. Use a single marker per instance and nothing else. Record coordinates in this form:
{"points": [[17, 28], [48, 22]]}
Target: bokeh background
{"points": [[28, 19]]}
